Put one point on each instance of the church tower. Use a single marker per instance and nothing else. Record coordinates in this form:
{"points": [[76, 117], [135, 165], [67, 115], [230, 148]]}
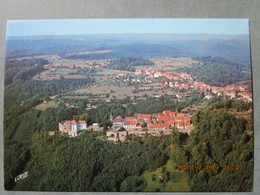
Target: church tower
{"points": [[111, 117]]}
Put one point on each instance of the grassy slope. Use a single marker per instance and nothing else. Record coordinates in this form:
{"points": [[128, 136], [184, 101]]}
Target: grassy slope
{"points": [[43, 106], [170, 186]]}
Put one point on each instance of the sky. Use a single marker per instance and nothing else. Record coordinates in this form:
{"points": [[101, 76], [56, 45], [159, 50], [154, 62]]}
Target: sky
{"points": [[94, 26]]}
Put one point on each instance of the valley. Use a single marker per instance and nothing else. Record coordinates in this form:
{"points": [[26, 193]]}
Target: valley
{"points": [[113, 115]]}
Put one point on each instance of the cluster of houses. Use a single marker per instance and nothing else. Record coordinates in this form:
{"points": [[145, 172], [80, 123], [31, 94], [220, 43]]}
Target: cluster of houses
{"points": [[234, 92], [184, 80], [156, 124], [141, 125], [69, 105], [153, 73]]}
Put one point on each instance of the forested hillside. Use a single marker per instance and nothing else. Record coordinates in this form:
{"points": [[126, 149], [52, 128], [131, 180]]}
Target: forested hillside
{"points": [[218, 71], [223, 139], [21, 70], [129, 63], [88, 163], [21, 120], [132, 45]]}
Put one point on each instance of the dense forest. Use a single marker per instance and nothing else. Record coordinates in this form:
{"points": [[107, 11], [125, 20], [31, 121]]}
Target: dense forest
{"points": [[21, 70], [21, 120], [218, 71], [129, 63], [223, 139], [55, 163], [220, 60]]}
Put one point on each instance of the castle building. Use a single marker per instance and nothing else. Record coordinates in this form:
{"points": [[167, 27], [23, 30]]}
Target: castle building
{"points": [[72, 127]]}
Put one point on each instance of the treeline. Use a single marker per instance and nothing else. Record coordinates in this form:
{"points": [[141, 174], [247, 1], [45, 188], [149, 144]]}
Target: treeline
{"points": [[84, 94], [19, 91], [85, 163], [167, 102], [129, 63], [221, 138], [218, 72], [21, 70], [91, 56], [219, 60], [228, 104]]}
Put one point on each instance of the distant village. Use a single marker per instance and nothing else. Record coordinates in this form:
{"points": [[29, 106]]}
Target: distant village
{"points": [[180, 81], [175, 80], [186, 81]]}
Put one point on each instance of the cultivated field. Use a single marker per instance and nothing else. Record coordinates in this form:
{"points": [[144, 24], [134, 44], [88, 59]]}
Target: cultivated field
{"points": [[43, 106], [57, 74], [106, 84], [170, 63]]}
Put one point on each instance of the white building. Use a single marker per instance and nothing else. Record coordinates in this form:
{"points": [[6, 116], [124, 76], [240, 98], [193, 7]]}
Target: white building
{"points": [[72, 128]]}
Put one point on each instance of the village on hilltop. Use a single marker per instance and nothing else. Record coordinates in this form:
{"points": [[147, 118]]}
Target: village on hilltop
{"points": [[139, 125], [156, 124]]}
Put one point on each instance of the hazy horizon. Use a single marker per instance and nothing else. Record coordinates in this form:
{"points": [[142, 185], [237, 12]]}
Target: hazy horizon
{"points": [[127, 26]]}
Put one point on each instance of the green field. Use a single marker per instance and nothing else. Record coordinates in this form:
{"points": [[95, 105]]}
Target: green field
{"points": [[43, 106], [170, 63], [177, 181]]}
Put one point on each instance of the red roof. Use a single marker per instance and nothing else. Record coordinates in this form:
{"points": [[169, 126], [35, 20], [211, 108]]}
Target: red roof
{"points": [[178, 118], [140, 120], [159, 125], [167, 111], [144, 116], [148, 120], [171, 122], [245, 94], [130, 118], [160, 114], [186, 118], [181, 114], [132, 122], [73, 122], [160, 118]]}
